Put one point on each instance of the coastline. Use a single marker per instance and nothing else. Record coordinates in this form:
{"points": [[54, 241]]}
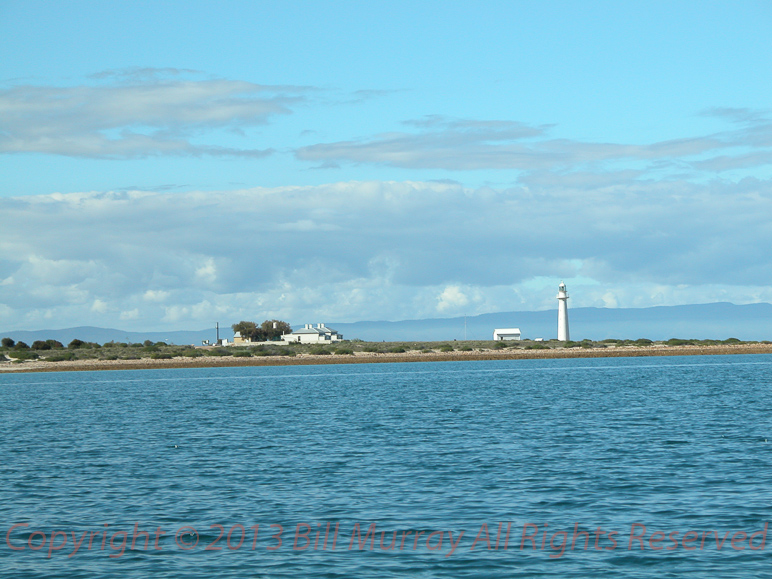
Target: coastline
{"points": [[377, 358]]}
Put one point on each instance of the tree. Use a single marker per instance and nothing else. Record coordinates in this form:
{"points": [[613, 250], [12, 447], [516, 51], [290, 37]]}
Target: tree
{"points": [[76, 343], [268, 330], [21, 346], [274, 329], [40, 345], [248, 330], [7, 343]]}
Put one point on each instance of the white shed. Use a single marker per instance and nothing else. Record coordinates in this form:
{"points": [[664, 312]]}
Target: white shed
{"points": [[506, 334]]}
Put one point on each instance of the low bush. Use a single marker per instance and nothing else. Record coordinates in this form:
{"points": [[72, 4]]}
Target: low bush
{"points": [[22, 354], [62, 357]]}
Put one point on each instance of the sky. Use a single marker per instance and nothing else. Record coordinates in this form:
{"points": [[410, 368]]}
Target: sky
{"points": [[168, 165]]}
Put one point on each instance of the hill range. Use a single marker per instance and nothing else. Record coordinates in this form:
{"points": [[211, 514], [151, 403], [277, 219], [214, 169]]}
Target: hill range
{"points": [[700, 321]]}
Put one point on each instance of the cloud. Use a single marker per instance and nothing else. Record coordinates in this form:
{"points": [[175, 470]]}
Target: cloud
{"points": [[437, 142], [140, 113], [451, 299], [379, 250]]}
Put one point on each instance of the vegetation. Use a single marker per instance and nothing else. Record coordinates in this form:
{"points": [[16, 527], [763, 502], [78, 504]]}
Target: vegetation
{"points": [[54, 351], [268, 331]]}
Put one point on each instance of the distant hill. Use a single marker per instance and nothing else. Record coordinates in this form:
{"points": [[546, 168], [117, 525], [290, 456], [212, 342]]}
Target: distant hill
{"points": [[703, 321]]}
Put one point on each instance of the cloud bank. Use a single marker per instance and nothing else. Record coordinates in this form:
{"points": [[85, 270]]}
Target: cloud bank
{"points": [[377, 250]]}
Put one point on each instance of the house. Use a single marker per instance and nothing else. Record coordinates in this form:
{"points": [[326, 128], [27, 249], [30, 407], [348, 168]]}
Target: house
{"points": [[506, 334], [309, 334]]}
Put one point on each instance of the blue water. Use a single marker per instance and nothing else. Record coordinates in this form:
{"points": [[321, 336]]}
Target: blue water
{"points": [[675, 444]]}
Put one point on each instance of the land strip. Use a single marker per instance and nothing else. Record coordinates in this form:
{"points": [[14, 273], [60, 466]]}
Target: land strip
{"points": [[222, 361]]}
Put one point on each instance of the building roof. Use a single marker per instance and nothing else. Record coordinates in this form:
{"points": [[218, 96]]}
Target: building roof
{"points": [[317, 331]]}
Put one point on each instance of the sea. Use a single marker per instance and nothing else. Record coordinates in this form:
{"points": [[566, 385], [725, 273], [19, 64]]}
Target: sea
{"points": [[605, 467]]}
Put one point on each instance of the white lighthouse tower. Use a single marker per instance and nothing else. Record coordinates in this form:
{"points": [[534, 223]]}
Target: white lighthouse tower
{"points": [[562, 313]]}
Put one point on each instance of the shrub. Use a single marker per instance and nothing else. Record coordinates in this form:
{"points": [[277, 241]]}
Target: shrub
{"points": [[22, 354], [192, 353], [344, 352], [40, 345], [75, 344], [7, 343], [446, 348], [161, 356], [21, 346], [242, 354], [537, 347], [218, 352], [55, 344], [320, 351], [64, 356], [679, 342], [397, 350], [371, 349]]}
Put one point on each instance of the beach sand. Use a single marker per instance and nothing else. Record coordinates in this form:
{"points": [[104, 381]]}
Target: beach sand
{"points": [[370, 358]]}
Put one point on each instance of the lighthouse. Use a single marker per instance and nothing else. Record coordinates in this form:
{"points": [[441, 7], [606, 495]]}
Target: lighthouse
{"points": [[562, 313]]}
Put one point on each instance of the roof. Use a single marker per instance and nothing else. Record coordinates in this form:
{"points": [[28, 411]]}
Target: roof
{"points": [[317, 331]]}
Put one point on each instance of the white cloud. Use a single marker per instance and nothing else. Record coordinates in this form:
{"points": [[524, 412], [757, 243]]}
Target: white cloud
{"points": [[156, 295], [379, 250], [451, 299], [465, 145], [144, 113], [130, 314]]}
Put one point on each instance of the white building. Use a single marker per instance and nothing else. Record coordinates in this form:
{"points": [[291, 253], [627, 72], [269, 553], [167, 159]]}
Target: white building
{"points": [[320, 334], [506, 334]]}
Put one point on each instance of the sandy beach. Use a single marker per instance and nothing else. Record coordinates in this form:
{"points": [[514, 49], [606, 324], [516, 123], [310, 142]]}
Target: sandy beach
{"points": [[374, 358]]}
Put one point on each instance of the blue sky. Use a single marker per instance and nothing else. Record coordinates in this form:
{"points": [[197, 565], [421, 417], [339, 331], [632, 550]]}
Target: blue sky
{"points": [[169, 164]]}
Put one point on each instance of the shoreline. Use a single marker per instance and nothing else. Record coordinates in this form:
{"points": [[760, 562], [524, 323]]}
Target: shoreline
{"points": [[378, 358]]}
